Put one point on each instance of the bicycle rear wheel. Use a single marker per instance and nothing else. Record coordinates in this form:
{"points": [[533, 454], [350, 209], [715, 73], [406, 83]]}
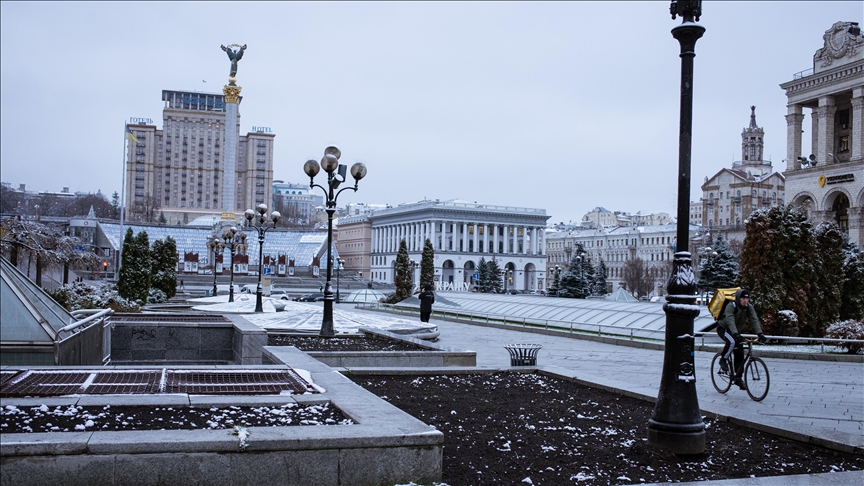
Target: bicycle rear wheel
{"points": [[757, 379], [719, 378]]}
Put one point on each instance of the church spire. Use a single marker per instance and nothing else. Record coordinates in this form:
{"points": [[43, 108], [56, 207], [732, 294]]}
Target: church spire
{"points": [[753, 117]]}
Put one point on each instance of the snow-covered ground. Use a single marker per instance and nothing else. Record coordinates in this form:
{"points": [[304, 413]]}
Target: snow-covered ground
{"points": [[307, 317]]}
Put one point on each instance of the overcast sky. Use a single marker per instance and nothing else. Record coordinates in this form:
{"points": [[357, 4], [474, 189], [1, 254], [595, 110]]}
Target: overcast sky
{"points": [[562, 106]]}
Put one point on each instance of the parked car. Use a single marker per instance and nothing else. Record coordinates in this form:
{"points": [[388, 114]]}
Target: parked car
{"points": [[279, 294], [311, 298]]}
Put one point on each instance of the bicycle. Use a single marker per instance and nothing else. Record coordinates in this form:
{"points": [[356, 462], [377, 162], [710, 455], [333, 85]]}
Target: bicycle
{"points": [[755, 373]]}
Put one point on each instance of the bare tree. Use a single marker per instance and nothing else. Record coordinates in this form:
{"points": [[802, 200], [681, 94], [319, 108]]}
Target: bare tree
{"points": [[637, 277], [46, 245], [146, 210]]}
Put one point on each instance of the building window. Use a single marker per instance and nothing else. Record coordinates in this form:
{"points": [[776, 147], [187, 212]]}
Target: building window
{"points": [[843, 145]]}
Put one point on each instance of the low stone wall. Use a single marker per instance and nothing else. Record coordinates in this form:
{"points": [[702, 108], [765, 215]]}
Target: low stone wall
{"points": [[170, 341], [385, 446]]}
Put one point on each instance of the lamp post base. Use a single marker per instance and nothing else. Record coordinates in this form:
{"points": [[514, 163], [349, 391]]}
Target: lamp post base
{"points": [[259, 305], [676, 422], [327, 329], [680, 439]]}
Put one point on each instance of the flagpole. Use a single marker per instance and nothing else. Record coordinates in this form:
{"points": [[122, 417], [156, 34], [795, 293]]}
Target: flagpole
{"points": [[122, 202]]}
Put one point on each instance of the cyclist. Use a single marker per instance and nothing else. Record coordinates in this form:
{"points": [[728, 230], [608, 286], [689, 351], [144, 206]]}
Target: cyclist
{"points": [[736, 316]]}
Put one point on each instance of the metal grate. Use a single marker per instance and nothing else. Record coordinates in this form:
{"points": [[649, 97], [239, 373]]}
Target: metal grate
{"points": [[242, 382], [236, 383], [6, 375], [166, 318], [131, 382], [44, 384]]}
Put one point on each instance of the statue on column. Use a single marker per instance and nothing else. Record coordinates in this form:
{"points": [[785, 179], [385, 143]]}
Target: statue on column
{"points": [[234, 56]]}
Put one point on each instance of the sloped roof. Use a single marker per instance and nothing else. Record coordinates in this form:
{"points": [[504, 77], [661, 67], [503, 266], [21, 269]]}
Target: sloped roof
{"points": [[28, 314], [302, 247], [364, 295], [621, 295]]}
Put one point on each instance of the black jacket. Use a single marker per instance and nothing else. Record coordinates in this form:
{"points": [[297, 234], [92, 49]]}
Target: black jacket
{"points": [[427, 298]]}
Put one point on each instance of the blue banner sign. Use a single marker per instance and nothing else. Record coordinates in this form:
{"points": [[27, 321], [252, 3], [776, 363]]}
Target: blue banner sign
{"points": [[211, 102], [261, 129], [140, 121]]}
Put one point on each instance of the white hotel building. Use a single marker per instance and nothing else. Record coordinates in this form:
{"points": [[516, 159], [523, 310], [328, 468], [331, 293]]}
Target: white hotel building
{"points": [[462, 233]]}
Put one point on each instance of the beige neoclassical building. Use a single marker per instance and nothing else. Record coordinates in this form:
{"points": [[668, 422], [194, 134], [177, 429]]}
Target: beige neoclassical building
{"points": [[830, 180], [461, 233]]}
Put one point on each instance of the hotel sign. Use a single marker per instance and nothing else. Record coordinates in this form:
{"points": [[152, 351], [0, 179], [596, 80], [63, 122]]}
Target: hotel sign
{"points": [[140, 121], [261, 129]]}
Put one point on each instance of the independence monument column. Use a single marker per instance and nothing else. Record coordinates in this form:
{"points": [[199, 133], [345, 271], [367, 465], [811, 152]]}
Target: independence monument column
{"points": [[232, 101]]}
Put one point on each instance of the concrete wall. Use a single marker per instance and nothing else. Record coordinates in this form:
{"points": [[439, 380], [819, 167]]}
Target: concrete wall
{"points": [[235, 342]]}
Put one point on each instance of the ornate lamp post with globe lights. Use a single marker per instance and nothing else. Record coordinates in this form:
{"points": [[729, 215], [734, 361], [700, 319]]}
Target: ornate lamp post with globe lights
{"points": [[261, 222], [236, 243], [215, 245], [676, 423], [335, 176]]}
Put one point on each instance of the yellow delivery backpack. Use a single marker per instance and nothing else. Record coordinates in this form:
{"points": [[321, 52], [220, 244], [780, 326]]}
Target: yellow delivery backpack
{"points": [[719, 300]]}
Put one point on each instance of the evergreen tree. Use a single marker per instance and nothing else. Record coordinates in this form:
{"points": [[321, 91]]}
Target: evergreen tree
{"points": [[482, 276], [427, 264], [115, 205], [134, 277], [404, 285], [494, 272], [828, 286], [162, 219], [164, 266], [779, 234], [852, 305], [718, 270], [600, 283], [578, 281]]}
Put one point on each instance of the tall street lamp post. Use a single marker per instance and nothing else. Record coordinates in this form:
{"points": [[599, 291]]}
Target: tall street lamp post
{"points": [[413, 266], [214, 244], [339, 263], [261, 222], [557, 272], [330, 164], [676, 422], [236, 243]]}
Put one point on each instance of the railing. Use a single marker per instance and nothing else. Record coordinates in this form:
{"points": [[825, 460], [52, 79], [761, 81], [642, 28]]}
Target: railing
{"points": [[802, 74], [588, 328]]}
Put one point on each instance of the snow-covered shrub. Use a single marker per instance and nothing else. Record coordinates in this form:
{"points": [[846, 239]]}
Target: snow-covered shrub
{"points": [[850, 329], [786, 323], [79, 295], [156, 296]]}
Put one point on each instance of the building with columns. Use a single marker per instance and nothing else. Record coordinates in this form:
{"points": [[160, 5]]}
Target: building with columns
{"points": [[462, 233], [615, 246], [829, 182], [733, 193]]}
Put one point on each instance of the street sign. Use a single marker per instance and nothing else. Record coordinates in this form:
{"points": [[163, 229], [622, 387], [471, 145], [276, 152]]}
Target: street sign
{"points": [[267, 270], [476, 276]]}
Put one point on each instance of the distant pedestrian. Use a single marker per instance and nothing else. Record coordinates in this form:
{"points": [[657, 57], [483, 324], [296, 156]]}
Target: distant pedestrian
{"points": [[427, 298], [182, 287]]}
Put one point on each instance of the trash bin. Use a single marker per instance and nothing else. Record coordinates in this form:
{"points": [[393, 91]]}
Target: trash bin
{"points": [[523, 354]]}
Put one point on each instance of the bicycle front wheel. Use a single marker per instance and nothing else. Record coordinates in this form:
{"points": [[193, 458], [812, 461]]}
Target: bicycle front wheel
{"points": [[719, 378], [756, 378]]}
